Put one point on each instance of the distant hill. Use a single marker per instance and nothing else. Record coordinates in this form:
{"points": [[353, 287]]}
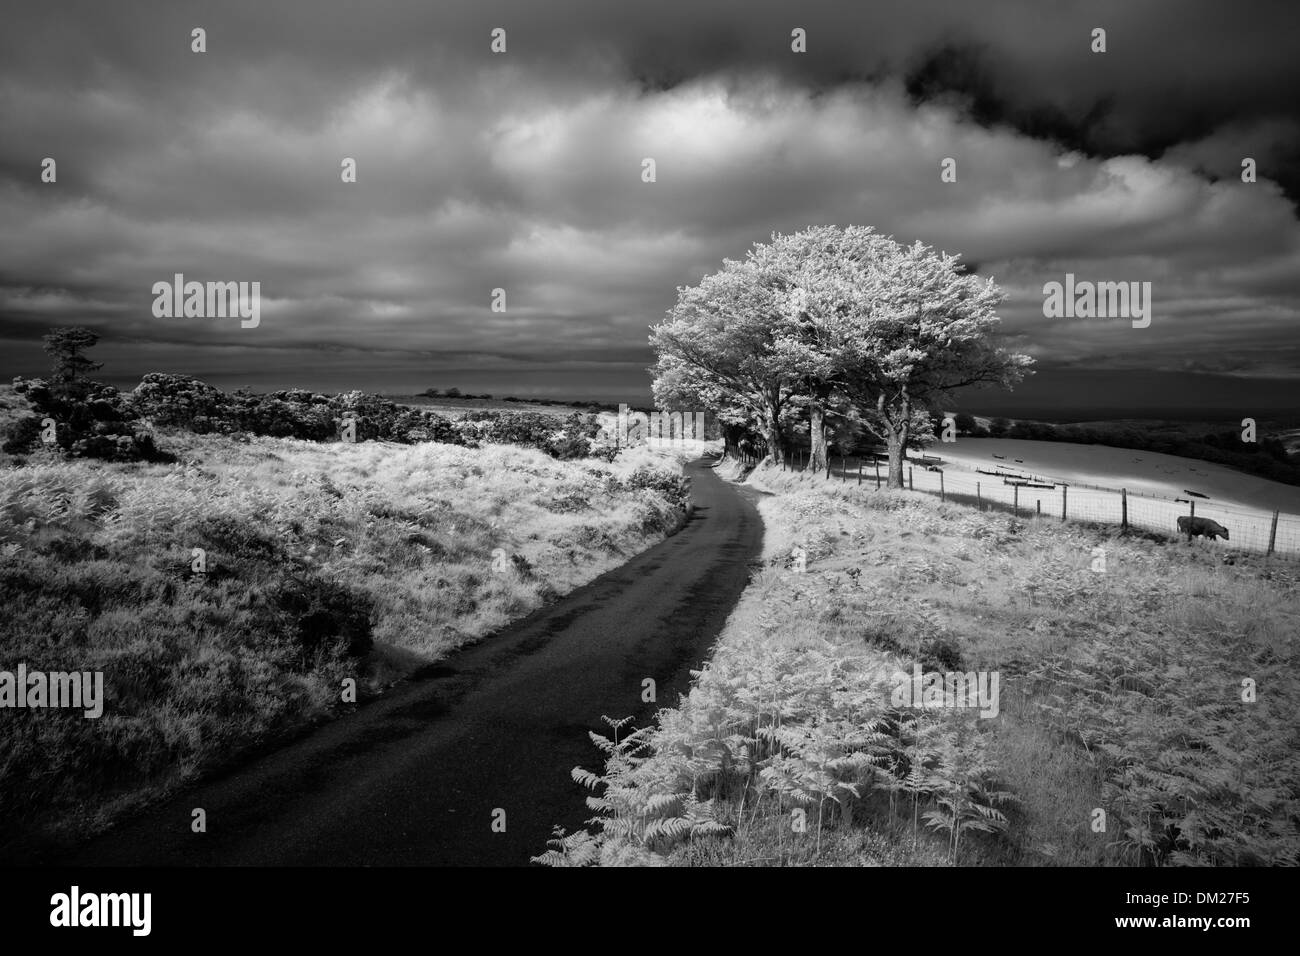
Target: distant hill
{"points": [[452, 404]]}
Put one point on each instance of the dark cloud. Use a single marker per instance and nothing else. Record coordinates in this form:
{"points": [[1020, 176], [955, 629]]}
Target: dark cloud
{"points": [[523, 172]]}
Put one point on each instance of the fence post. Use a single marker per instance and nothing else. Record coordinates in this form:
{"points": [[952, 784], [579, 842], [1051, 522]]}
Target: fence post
{"points": [[859, 465], [1272, 534], [1015, 501], [844, 465], [828, 463], [1065, 496], [909, 478], [1038, 508], [941, 497], [1193, 501], [877, 461], [1123, 509], [979, 499]]}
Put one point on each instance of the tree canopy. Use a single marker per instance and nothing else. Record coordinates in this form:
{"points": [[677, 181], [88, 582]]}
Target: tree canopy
{"points": [[67, 345], [838, 324]]}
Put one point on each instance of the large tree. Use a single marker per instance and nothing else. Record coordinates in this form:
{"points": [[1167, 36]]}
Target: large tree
{"points": [[757, 340], [843, 321]]}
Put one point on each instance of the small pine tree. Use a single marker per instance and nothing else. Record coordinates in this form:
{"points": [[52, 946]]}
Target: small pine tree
{"points": [[67, 346]]}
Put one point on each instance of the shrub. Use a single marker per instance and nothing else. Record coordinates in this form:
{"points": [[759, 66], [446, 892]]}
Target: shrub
{"points": [[185, 402], [675, 487], [285, 415], [567, 438], [941, 653], [92, 420], [327, 619], [24, 434]]}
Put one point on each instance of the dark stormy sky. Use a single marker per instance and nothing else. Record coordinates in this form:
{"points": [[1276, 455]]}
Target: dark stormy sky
{"points": [[523, 171]]}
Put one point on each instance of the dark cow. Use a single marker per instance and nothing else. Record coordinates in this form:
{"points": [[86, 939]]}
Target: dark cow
{"points": [[1192, 527]]}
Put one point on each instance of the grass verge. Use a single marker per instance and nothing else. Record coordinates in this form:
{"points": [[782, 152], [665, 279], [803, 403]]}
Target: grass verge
{"points": [[1147, 693]]}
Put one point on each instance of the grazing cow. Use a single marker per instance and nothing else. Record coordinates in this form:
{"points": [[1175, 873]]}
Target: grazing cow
{"points": [[1192, 527]]}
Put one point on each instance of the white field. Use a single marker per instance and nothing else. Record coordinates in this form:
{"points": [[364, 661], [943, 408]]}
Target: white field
{"points": [[1138, 471], [1242, 503]]}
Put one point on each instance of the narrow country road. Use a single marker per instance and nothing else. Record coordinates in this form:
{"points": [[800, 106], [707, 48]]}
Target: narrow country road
{"points": [[415, 777]]}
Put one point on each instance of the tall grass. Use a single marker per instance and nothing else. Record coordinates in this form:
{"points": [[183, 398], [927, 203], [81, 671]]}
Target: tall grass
{"points": [[312, 552], [1121, 692]]}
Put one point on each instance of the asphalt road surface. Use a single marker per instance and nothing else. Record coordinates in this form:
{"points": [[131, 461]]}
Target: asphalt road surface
{"points": [[414, 777]]}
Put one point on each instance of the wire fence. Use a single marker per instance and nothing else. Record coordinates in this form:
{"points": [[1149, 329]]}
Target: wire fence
{"points": [[1035, 496]]}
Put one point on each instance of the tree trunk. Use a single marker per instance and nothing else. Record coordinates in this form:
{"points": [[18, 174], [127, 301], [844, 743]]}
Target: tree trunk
{"points": [[896, 442], [772, 438], [817, 437], [898, 432], [895, 446]]}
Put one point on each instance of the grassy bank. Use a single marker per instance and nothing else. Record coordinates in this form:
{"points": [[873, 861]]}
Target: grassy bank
{"points": [[1121, 736], [229, 597]]}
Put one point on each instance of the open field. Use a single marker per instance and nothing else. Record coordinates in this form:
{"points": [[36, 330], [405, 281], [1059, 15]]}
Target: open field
{"points": [[1138, 471], [1085, 483], [307, 553], [1127, 732], [1242, 503]]}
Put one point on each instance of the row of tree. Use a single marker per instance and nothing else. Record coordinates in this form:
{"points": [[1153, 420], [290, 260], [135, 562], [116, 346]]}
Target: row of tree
{"points": [[845, 329]]}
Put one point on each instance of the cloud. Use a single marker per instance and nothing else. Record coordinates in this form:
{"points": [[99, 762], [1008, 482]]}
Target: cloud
{"points": [[523, 171]]}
